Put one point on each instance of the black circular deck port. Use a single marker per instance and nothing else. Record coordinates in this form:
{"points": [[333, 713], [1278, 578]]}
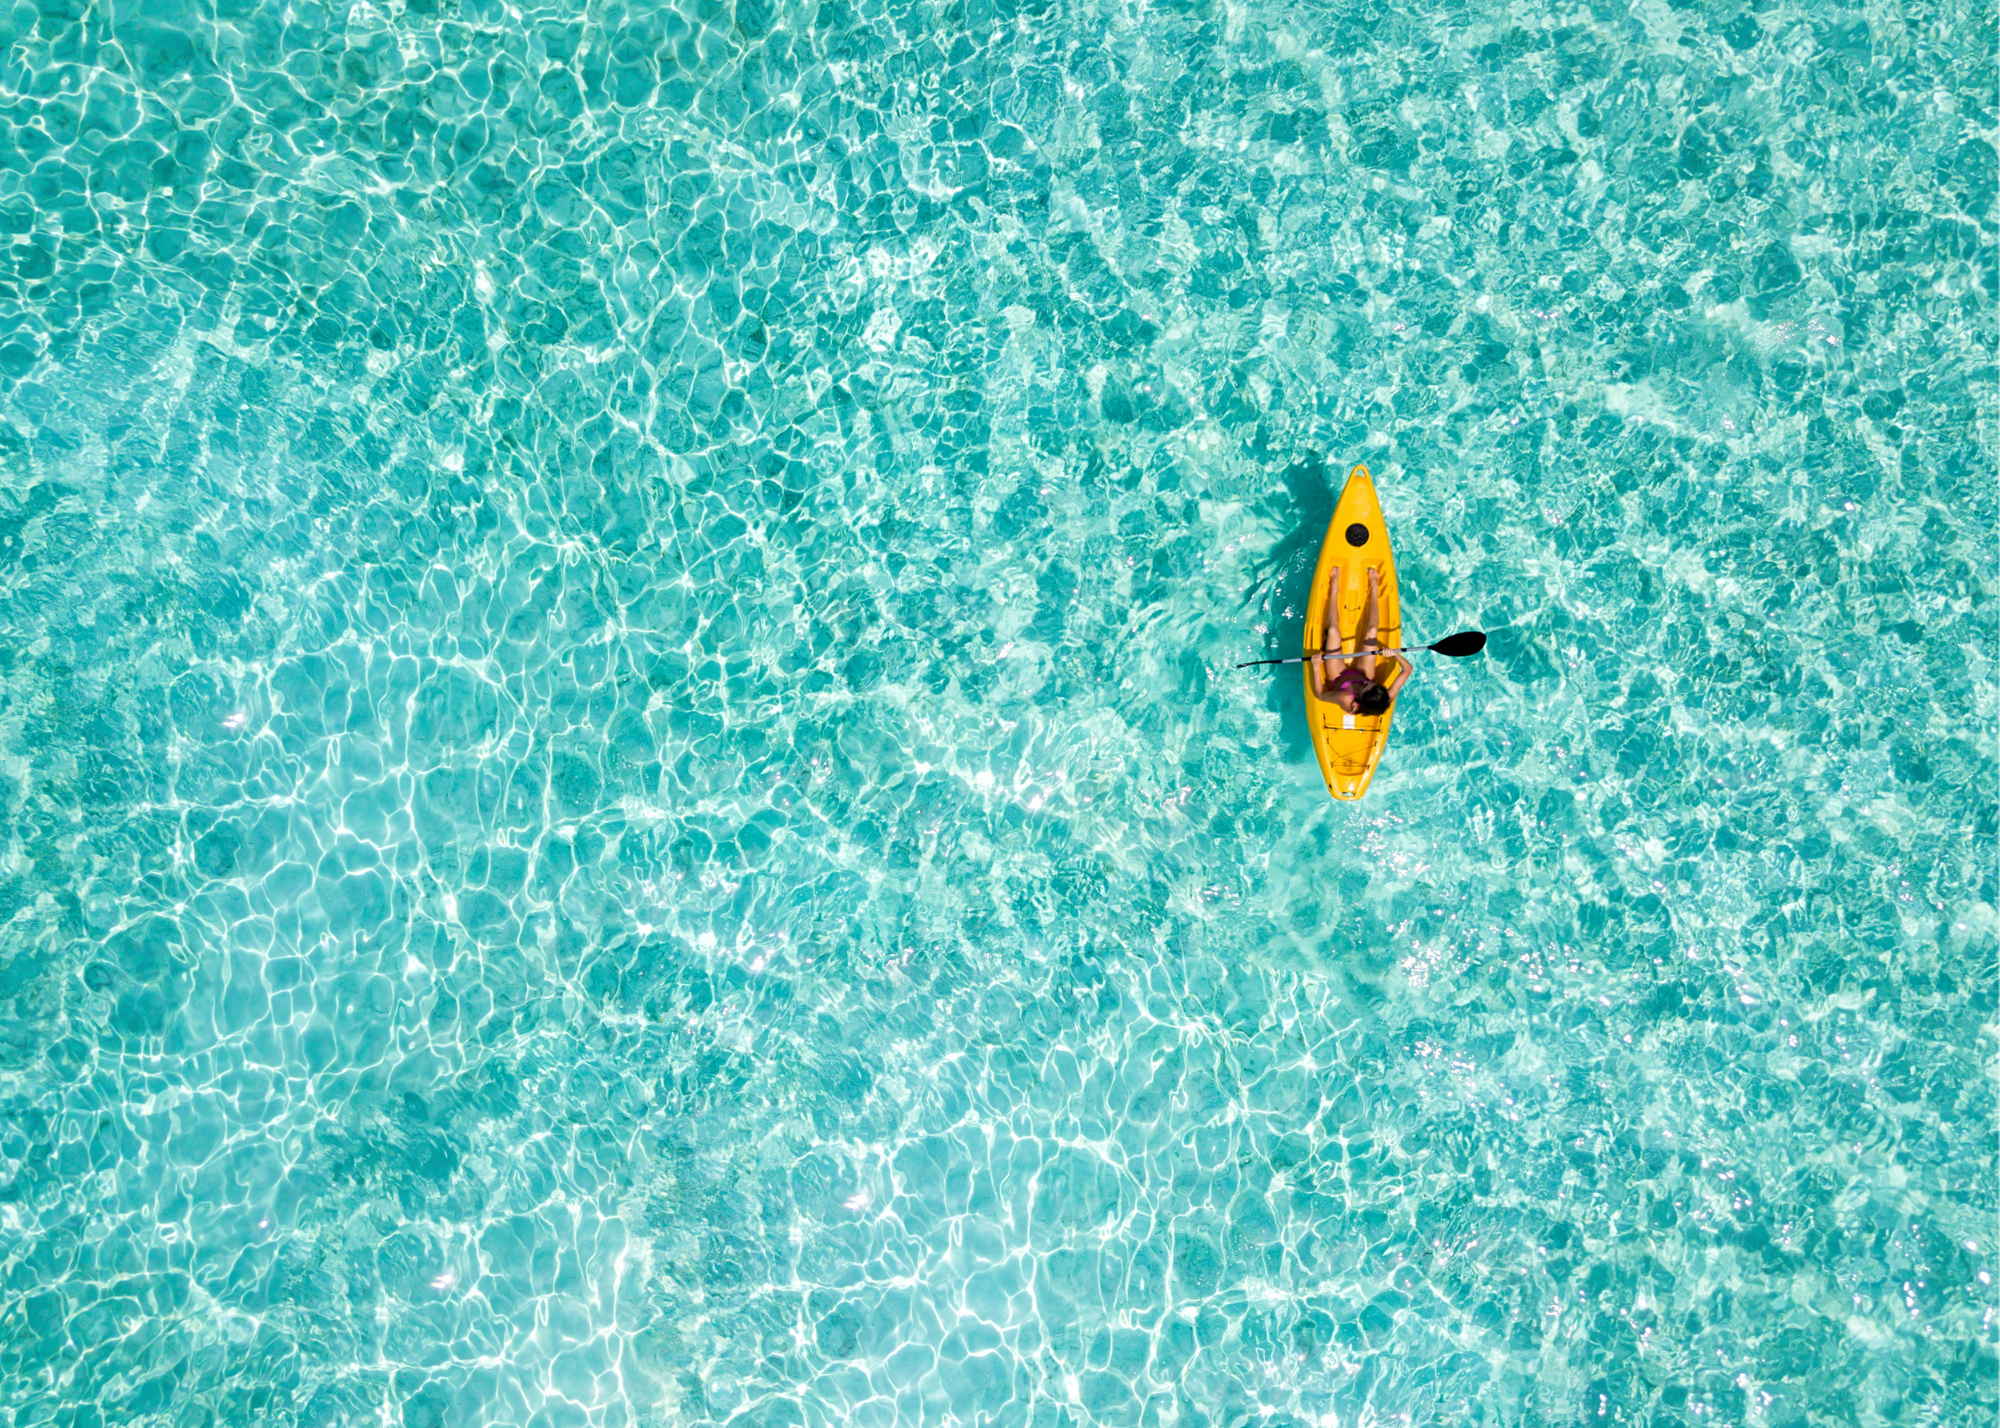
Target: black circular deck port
{"points": [[1357, 534]]}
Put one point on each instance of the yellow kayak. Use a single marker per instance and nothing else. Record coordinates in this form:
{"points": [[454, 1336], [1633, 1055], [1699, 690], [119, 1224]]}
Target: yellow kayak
{"points": [[1350, 745]]}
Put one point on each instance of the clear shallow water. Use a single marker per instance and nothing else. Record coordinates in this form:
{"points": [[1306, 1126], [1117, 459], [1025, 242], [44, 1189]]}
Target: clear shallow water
{"points": [[625, 802]]}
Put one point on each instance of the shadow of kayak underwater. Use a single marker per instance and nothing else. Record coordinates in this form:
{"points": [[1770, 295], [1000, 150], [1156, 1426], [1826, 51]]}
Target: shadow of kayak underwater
{"points": [[1278, 592]]}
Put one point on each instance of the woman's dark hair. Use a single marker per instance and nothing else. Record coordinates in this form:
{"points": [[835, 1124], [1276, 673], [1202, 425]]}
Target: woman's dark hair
{"points": [[1373, 699]]}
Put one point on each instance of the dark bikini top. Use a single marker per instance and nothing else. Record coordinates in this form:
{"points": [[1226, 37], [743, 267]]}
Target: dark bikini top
{"points": [[1349, 681]]}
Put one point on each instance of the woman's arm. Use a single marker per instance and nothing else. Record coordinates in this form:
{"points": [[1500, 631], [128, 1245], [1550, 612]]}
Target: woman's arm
{"points": [[1318, 665], [1326, 669], [1402, 672]]}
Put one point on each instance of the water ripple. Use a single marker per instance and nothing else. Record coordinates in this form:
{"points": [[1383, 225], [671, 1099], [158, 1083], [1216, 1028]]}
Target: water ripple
{"points": [[624, 800]]}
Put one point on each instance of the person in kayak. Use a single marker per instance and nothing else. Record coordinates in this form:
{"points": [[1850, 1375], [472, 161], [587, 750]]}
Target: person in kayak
{"points": [[1351, 680]]}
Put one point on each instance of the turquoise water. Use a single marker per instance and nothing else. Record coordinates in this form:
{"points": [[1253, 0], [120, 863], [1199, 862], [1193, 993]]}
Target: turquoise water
{"points": [[625, 801]]}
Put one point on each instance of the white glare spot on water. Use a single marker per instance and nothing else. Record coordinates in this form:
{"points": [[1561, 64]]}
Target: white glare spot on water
{"points": [[236, 721], [858, 1201]]}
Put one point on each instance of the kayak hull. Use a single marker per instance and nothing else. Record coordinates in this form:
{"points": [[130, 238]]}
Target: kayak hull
{"points": [[1349, 746]]}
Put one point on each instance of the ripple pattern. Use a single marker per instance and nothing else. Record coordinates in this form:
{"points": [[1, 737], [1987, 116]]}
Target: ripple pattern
{"points": [[622, 796]]}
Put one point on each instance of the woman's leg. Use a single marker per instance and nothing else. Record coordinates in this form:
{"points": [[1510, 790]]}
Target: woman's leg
{"points": [[1324, 671], [1367, 635], [1332, 645]]}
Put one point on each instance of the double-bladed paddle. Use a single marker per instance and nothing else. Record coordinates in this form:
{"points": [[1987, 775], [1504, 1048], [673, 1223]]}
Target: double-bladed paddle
{"points": [[1458, 646]]}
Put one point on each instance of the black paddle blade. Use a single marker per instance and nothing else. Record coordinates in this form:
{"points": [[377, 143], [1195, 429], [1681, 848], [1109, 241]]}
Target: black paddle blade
{"points": [[1458, 646]]}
